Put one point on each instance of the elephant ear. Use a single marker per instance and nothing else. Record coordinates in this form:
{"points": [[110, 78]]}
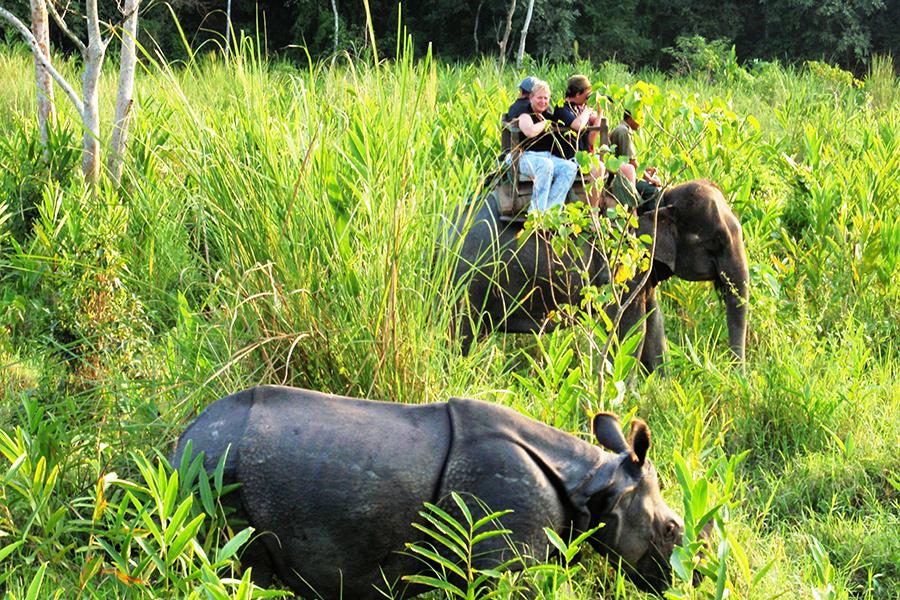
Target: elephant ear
{"points": [[665, 235], [609, 433]]}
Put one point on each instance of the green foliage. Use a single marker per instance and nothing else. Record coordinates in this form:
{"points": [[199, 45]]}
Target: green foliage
{"points": [[278, 225], [833, 77], [881, 82], [713, 61], [25, 169], [154, 537], [635, 32], [453, 544]]}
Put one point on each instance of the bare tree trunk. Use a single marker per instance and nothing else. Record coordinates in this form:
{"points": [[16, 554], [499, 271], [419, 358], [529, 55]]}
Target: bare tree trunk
{"points": [[128, 61], [40, 27], [227, 28], [475, 30], [505, 40], [90, 116], [337, 24], [88, 105], [41, 58], [521, 53]]}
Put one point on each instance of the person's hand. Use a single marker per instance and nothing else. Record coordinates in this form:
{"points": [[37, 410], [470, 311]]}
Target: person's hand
{"points": [[652, 179]]}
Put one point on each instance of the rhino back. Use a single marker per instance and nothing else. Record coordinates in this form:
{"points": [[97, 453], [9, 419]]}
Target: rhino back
{"points": [[338, 481], [216, 431]]}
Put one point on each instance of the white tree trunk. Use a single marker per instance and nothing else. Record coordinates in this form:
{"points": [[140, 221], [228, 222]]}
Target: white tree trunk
{"points": [[505, 40], [40, 28], [41, 58], [227, 27], [337, 24], [125, 96], [521, 53], [90, 116], [475, 30]]}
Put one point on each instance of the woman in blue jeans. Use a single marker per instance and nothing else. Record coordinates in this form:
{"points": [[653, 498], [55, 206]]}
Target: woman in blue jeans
{"points": [[553, 176]]}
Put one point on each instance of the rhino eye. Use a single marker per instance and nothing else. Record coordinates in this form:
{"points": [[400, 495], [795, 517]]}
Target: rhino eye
{"points": [[671, 528]]}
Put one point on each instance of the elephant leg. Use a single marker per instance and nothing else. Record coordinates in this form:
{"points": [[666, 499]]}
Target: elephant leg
{"points": [[472, 322], [632, 317], [655, 346], [466, 336]]}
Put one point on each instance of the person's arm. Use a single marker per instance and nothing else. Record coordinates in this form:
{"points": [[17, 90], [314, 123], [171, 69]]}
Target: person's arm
{"points": [[582, 120], [531, 128], [650, 176], [593, 121]]}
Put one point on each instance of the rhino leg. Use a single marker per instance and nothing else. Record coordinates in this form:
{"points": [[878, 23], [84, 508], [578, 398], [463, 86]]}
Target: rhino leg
{"points": [[255, 555]]}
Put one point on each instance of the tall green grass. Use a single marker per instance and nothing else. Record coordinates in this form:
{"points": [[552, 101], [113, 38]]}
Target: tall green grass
{"points": [[278, 224]]}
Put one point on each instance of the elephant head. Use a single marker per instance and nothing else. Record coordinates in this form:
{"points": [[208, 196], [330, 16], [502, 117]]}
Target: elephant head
{"points": [[698, 238]]}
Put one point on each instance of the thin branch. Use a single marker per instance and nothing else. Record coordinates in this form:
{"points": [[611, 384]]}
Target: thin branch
{"points": [[113, 27], [61, 23], [39, 55]]}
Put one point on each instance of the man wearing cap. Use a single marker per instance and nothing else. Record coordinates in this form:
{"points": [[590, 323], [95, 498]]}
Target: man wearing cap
{"points": [[522, 103], [623, 139]]}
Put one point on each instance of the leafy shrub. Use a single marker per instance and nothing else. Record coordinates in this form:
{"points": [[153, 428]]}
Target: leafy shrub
{"points": [[26, 167], [834, 77], [69, 287], [712, 61]]}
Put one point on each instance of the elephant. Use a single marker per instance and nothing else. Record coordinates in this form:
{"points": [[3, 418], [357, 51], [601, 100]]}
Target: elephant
{"points": [[512, 285], [334, 486]]}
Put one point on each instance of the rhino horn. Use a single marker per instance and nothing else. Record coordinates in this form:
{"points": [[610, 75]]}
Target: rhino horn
{"points": [[608, 432], [640, 441]]}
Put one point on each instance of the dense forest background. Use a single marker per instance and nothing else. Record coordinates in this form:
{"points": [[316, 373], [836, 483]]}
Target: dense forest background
{"points": [[639, 33]]}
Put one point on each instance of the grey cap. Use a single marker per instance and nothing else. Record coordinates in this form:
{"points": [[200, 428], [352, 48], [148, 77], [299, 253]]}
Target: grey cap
{"points": [[527, 84]]}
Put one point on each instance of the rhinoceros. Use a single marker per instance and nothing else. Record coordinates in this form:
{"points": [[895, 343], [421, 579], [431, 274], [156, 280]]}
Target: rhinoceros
{"points": [[333, 485]]}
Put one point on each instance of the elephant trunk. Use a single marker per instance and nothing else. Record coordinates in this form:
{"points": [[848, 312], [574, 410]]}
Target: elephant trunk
{"points": [[733, 283]]}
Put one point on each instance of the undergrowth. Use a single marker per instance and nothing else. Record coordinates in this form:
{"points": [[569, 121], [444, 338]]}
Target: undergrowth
{"points": [[277, 225]]}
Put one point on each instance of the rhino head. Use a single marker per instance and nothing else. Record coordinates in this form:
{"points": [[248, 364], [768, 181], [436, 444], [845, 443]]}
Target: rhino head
{"points": [[638, 525]]}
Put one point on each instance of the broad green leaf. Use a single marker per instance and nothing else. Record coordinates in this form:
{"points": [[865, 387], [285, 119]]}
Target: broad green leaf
{"points": [[228, 550], [181, 540], [34, 588], [438, 584], [9, 549], [682, 564]]}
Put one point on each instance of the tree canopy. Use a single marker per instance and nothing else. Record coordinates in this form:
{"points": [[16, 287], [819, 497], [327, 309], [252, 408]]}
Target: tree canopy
{"points": [[635, 32]]}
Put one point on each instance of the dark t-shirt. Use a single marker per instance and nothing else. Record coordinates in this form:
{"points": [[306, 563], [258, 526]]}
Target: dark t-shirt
{"points": [[540, 143], [518, 107], [570, 140]]}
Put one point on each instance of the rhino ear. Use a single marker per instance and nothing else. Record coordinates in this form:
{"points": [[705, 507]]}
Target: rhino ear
{"points": [[640, 440], [609, 433]]}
